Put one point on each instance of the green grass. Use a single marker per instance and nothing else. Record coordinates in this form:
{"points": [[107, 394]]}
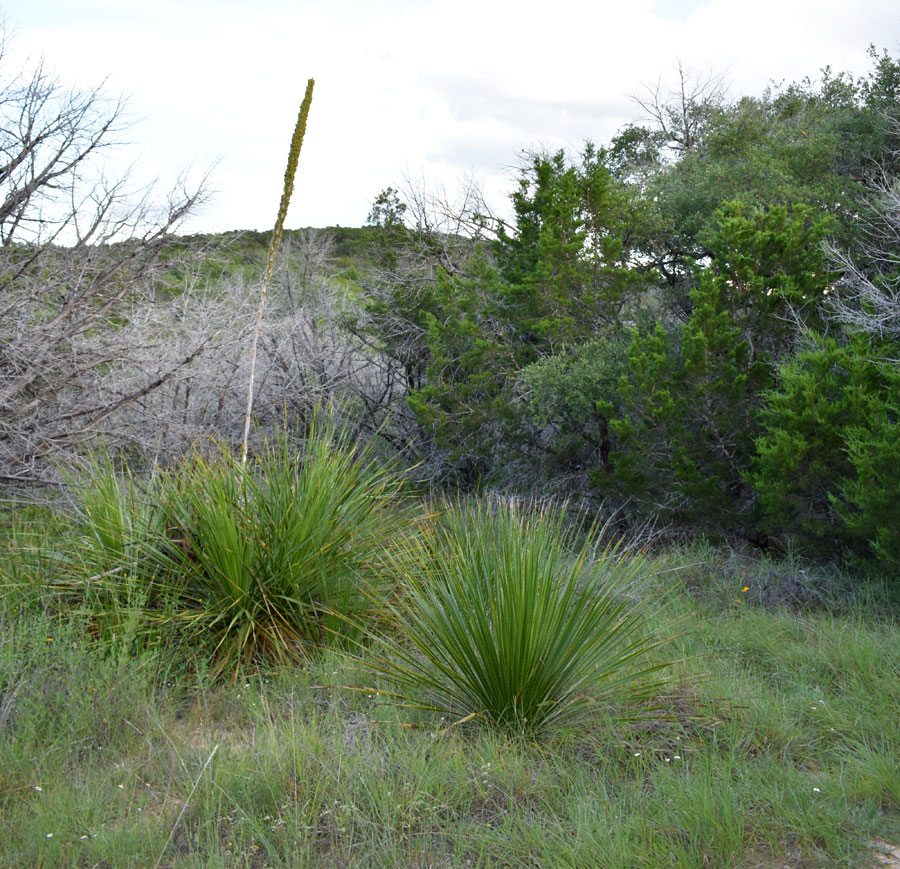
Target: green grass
{"points": [[775, 741]]}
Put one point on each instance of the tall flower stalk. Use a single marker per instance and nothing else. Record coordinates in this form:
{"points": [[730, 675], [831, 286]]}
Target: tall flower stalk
{"points": [[289, 173]]}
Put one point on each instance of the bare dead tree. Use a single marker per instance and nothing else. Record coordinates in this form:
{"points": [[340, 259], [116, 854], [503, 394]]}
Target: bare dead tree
{"points": [[866, 298], [79, 254], [865, 303], [307, 355], [183, 375], [681, 112], [310, 350]]}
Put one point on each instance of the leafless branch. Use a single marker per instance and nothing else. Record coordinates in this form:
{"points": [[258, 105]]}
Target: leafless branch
{"points": [[681, 112], [80, 264], [866, 298]]}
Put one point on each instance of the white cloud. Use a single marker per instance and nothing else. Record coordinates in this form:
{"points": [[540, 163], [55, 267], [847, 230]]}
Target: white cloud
{"points": [[432, 88]]}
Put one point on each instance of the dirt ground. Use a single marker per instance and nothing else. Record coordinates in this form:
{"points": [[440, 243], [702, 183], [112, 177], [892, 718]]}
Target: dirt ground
{"points": [[886, 855]]}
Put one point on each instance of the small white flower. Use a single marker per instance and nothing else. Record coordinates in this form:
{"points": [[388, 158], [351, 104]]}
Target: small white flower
{"points": [[49, 835], [676, 757], [816, 791], [38, 788], [121, 787], [637, 754]]}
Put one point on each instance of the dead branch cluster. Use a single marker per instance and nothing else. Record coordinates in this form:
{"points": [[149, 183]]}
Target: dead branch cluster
{"points": [[112, 327], [867, 296]]}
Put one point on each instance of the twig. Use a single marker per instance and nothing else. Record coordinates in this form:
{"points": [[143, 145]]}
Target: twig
{"points": [[184, 807]]}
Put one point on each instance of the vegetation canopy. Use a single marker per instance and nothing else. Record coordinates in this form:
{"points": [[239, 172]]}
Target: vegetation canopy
{"points": [[371, 638]]}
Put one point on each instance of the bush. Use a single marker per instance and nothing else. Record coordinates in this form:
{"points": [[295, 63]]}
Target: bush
{"points": [[826, 464], [263, 562]]}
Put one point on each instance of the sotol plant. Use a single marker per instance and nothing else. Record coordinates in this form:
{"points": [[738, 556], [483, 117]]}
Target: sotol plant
{"points": [[285, 555], [509, 623]]}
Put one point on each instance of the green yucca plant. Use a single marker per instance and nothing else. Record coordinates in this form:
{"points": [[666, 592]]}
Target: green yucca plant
{"points": [[287, 191], [277, 558], [505, 622], [106, 574], [116, 517], [28, 566]]}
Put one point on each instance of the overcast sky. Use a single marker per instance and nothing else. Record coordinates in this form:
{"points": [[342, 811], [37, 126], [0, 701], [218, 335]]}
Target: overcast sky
{"points": [[431, 90]]}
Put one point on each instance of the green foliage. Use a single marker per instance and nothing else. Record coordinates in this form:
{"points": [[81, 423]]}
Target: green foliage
{"points": [[261, 563], [388, 215], [55, 690], [465, 400], [780, 150], [616, 340], [568, 398], [775, 272], [565, 264], [388, 211], [811, 143], [275, 561], [801, 457], [689, 396], [826, 466], [117, 516], [685, 434], [107, 576], [504, 623], [559, 279], [880, 89], [870, 503], [27, 565]]}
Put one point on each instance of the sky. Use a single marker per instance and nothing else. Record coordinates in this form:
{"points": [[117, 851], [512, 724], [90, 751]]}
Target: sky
{"points": [[425, 93]]}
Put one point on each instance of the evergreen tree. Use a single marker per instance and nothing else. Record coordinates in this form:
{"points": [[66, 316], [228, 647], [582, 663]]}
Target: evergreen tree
{"points": [[826, 465], [556, 279], [691, 391]]}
